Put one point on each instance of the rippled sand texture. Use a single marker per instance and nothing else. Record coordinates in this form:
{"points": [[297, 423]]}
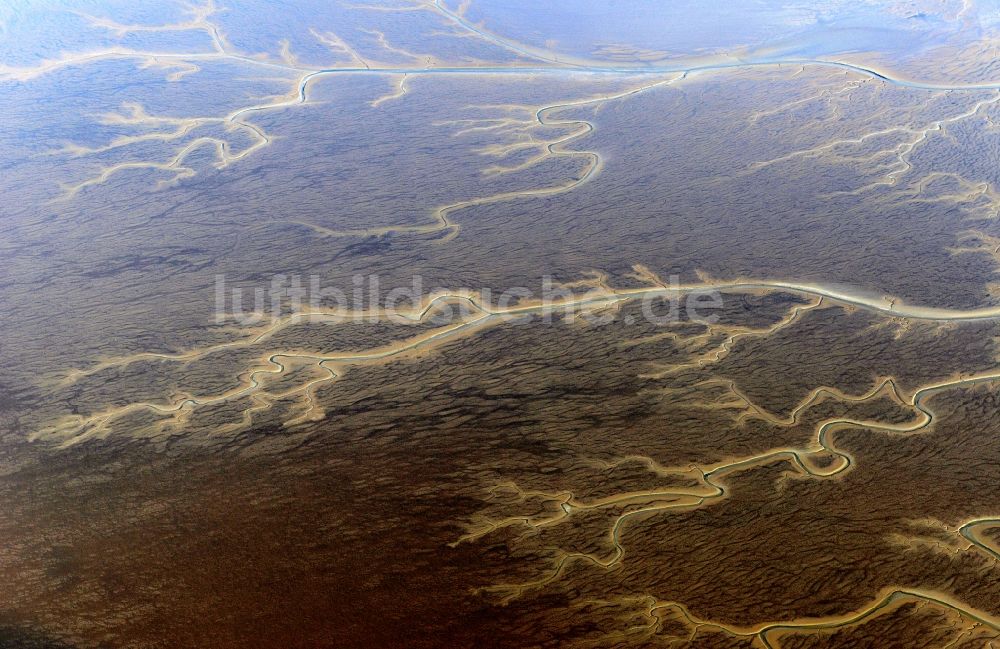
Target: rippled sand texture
{"points": [[817, 467]]}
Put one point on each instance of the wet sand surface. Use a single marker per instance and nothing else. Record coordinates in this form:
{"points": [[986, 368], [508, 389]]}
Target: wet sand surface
{"points": [[813, 466]]}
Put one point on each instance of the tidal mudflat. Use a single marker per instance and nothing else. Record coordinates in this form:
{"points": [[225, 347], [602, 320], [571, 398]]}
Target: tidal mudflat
{"points": [[440, 324]]}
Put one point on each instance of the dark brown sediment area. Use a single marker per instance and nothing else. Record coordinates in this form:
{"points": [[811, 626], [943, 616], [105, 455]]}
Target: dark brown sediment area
{"points": [[815, 468]]}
